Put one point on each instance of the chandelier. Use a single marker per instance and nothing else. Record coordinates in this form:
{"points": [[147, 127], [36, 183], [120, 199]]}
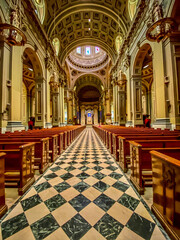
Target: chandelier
{"points": [[11, 33], [161, 30]]}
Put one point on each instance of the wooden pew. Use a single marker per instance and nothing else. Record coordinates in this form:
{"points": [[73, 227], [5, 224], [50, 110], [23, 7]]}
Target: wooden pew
{"points": [[53, 141], [41, 160], [141, 168], [123, 151], [109, 134], [58, 141], [166, 190], [19, 167], [115, 140], [3, 206], [69, 134]]}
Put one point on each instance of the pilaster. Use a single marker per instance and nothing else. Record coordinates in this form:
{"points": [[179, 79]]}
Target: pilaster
{"points": [[137, 117], [15, 108], [40, 103], [5, 84]]}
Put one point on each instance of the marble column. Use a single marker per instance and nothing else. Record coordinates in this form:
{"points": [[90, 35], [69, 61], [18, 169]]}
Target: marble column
{"points": [[40, 103], [55, 107], [137, 100], [5, 84], [170, 87], [62, 103], [15, 104], [162, 119], [129, 101], [70, 108], [122, 105], [82, 115], [95, 115], [114, 102], [108, 106]]}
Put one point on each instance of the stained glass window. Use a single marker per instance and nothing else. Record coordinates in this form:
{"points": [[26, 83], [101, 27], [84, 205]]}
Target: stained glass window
{"points": [[78, 50], [88, 50], [97, 49]]}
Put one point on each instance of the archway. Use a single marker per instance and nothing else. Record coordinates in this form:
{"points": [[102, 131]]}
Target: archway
{"points": [[88, 92], [89, 97], [31, 72], [143, 85]]}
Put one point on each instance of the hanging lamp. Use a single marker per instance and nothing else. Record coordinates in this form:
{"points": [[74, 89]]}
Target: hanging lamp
{"points": [[11, 33]]}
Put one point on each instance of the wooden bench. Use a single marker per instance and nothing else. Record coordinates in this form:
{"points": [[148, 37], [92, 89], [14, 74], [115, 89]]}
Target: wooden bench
{"points": [[140, 158], [166, 190], [68, 132], [123, 152], [42, 159], [3, 206], [115, 140], [109, 135], [53, 141], [19, 167]]}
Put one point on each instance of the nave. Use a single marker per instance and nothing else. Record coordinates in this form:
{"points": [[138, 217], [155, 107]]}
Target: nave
{"points": [[83, 195]]}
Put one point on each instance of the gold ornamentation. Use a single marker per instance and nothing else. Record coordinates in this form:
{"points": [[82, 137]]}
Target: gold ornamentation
{"points": [[161, 29], [11, 33], [168, 177]]}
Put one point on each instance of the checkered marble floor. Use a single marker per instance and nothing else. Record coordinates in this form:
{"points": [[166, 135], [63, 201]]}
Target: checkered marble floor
{"points": [[83, 195]]}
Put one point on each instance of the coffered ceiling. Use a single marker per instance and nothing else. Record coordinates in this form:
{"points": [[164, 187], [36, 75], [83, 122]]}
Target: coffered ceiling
{"points": [[95, 22], [89, 80]]}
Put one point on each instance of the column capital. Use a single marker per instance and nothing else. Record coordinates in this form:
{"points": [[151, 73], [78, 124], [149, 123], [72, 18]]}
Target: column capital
{"points": [[39, 79], [136, 77]]}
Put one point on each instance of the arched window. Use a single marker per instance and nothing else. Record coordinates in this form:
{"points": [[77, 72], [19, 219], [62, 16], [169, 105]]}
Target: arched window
{"points": [[132, 4], [88, 51], [40, 9], [97, 49], [118, 43], [78, 50], [56, 45]]}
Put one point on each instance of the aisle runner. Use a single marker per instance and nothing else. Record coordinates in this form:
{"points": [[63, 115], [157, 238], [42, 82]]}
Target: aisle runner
{"points": [[83, 195]]}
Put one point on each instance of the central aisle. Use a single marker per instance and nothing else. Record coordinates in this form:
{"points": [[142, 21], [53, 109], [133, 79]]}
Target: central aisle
{"points": [[83, 195]]}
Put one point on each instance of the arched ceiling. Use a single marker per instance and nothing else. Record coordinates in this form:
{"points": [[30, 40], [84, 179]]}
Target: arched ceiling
{"points": [[88, 80], [88, 94], [95, 22], [31, 59]]}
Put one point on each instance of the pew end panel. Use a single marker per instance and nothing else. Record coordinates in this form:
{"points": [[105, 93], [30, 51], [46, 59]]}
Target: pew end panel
{"points": [[61, 137], [45, 161], [136, 170], [55, 147], [3, 206], [122, 157], [115, 146], [27, 166], [166, 190], [110, 143], [107, 139], [65, 140], [19, 167]]}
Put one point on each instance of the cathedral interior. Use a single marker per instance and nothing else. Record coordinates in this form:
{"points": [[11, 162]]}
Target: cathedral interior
{"points": [[83, 85]]}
